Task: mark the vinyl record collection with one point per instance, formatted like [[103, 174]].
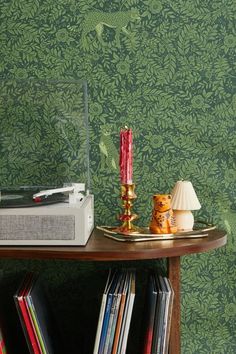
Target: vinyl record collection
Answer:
[[114, 319], [157, 316], [116, 312], [34, 314]]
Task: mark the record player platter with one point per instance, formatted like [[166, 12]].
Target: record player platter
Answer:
[[23, 199]]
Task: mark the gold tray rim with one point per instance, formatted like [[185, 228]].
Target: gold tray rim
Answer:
[[144, 234]]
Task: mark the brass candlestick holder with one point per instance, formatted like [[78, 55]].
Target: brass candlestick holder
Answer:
[[127, 197]]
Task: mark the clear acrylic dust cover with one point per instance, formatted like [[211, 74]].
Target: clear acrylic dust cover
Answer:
[[44, 136]]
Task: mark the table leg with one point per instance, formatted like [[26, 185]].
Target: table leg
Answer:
[[174, 277]]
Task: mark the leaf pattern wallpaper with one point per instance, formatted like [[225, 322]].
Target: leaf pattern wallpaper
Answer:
[[165, 68]]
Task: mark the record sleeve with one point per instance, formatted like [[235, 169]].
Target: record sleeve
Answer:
[[24, 315]]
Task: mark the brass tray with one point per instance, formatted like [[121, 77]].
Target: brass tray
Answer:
[[145, 235]]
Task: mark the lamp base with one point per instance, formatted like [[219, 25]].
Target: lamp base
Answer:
[[184, 220]]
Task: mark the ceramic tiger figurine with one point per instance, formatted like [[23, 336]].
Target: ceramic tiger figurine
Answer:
[[163, 221], [96, 20]]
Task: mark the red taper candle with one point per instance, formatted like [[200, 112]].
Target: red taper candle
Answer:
[[126, 156]]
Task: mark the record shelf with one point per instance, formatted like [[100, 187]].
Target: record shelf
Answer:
[[100, 248]]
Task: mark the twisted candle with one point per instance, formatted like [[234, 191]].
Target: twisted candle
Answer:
[[126, 156]]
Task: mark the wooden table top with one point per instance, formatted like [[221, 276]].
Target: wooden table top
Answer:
[[101, 248]]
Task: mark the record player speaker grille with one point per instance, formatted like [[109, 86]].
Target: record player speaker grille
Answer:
[[37, 227]]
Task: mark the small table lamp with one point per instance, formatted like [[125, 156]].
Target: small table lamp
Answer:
[[184, 199]]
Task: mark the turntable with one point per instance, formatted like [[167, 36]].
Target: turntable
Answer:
[[44, 142], [62, 216]]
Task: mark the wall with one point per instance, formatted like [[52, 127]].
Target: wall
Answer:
[[166, 69]]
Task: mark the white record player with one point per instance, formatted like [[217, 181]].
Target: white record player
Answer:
[[65, 220], [44, 142]]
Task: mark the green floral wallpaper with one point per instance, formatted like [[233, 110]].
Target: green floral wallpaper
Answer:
[[165, 68]]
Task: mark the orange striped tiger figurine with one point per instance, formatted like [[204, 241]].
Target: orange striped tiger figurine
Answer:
[[163, 221]]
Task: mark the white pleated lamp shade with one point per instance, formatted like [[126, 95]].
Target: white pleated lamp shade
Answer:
[[184, 197]]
